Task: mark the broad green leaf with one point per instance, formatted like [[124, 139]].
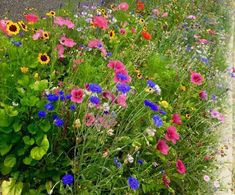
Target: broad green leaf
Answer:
[[4, 119], [27, 160], [28, 141], [11, 187], [4, 170], [37, 153], [45, 126], [17, 126], [10, 161], [4, 148]]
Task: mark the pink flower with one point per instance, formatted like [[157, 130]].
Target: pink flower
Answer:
[[3, 26], [176, 119], [67, 42], [123, 31], [196, 78], [38, 35], [123, 6], [89, 119], [221, 118], [206, 178], [133, 30], [69, 24], [203, 95], [60, 50], [95, 43], [191, 17], [100, 22], [180, 167], [121, 100], [162, 147], [31, 18], [77, 95], [156, 12], [121, 76], [108, 95], [64, 22], [165, 14], [172, 135], [116, 65], [166, 180], [206, 157], [214, 113], [103, 51], [203, 41]]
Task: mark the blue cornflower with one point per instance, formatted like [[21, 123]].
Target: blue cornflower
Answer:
[[214, 97], [162, 112], [94, 100], [95, 88], [122, 77], [151, 105], [72, 107], [16, 43], [151, 83], [42, 114], [124, 88], [68, 97], [62, 97], [99, 46], [204, 60], [157, 120], [117, 163], [61, 93], [52, 97], [55, 116], [67, 179], [133, 183], [109, 54], [140, 162], [49, 107], [58, 122]]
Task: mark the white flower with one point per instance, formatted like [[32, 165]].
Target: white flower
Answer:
[[106, 107], [216, 184], [150, 131], [157, 89], [110, 132], [15, 104], [206, 178], [129, 158]]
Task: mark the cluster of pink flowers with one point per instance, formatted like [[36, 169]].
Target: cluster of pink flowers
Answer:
[[60, 21], [97, 44], [100, 22]]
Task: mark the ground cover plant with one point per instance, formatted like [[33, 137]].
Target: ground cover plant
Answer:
[[113, 98]]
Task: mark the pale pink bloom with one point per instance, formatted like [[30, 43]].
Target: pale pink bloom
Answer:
[[123, 31], [196, 78], [77, 95], [121, 100], [69, 24], [133, 30], [3, 25], [214, 113], [180, 167], [95, 43], [162, 147], [31, 18], [67, 41], [123, 6], [196, 36], [64, 22], [206, 178], [89, 119], [172, 135], [38, 34], [221, 118], [216, 184], [191, 17], [100, 22], [116, 65], [156, 12], [103, 51], [203, 41], [60, 50], [59, 20], [165, 14], [203, 95]]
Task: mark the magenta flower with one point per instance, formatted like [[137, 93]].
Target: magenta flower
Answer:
[[31, 18], [77, 95], [89, 119], [196, 78], [108, 95], [166, 180], [116, 65], [66, 41], [203, 95], [176, 119], [60, 50], [162, 147], [122, 31], [95, 43], [121, 100], [172, 135], [100, 22], [123, 6], [180, 167]]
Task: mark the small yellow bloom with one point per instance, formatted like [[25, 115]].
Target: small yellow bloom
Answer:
[[149, 90], [12, 28], [51, 14], [187, 116], [43, 58], [45, 35], [24, 69], [23, 26], [141, 21], [182, 88], [164, 104], [111, 34]]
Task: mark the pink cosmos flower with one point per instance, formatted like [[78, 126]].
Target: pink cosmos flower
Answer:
[[166, 180], [116, 65], [165, 14], [172, 135], [69, 24], [123, 6], [77, 95], [89, 119], [100, 22], [60, 50], [121, 100], [191, 17], [162, 147], [64, 22], [59, 20], [67, 41], [95, 43], [203, 95], [121, 76], [31, 18], [38, 35], [180, 167], [203, 41], [176, 119], [196, 78]]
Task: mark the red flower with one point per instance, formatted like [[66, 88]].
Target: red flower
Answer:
[[140, 5], [180, 167], [100, 22], [31, 18], [166, 180], [77, 95], [146, 35], [172, 135], [176, 119], [162, 147]]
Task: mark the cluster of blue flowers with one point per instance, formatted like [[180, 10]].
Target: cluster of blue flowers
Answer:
[[95, 88], [122, 87], [133, 183]]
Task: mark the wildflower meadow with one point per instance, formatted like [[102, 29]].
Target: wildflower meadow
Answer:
[[121, 97]]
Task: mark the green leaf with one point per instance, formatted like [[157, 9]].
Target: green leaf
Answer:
[[45, 126], [10, 161], [24, 81], [4, 119], [27, 160], [11, 187], [32, 128], [45, 143], [28, 141], [39, 151], [4, 148], [39, 85], [4, 170], [17, 126]]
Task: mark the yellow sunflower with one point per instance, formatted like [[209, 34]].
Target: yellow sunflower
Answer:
[[111, 34], [141, 21], [12, 28], [45, 35], [23, 26], [51, 14], [43, 58]]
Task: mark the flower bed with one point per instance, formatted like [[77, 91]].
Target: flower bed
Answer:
[[113, 99]]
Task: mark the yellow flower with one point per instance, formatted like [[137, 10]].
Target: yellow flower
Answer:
[[12, 28], [141, 21], [182, 88], [139, 75], [149, 90], [43, 58], [45, 35], [111, 34], [51, 14], [164, 104], [24, 69], [23, 26], [187, 116]]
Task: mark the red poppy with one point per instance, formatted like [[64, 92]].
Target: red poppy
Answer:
[[140, 5], [146, 35]]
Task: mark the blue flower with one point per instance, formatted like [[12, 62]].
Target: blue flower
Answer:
[[214, 97], [94, 100], [68, 97], [42, 114], [49, 107], [151, 105], [55, 116], [133, 183], [122, 77], [151, 83], [204, 60], [17, 43], [124, 88], [58, 122], [109, 54], [140, 162], [61, 92], [117, 163], [72, 107], [67, 179], [52, 97], [162, 112], [95, 88], [157, 120], [62, 98]]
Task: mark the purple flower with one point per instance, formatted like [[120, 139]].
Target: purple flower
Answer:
[[52, 97], [151, 83], [162, 112], [140, 162], [133, 183], [151, 105], [49, 107], [72, 107], [67, 179], [122, 77], [95, 88], [41, 114], [157, 120], [122, 87], [95, 100], [58, 122]]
